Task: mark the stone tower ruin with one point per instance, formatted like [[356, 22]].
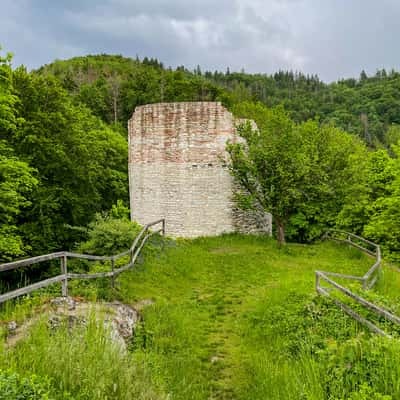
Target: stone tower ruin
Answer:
[[177, 170]]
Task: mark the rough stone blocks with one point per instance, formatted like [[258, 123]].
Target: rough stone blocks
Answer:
[[177, 170]]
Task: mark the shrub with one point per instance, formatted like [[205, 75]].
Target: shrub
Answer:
[[366, 393], [110, 233], [364, 368], [15, 387]]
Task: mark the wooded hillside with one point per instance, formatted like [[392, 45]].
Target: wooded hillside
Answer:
[[63, 148], [113, 85]]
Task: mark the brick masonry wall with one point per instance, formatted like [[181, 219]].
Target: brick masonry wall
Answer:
[[177, 171]]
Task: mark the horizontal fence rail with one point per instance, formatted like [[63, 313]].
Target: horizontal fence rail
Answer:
[[364, 245], [368, 280], [63, 256]]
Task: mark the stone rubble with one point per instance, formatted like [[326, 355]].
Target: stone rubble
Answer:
[[119, 318], [12, 327]]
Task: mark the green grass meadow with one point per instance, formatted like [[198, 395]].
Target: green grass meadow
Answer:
[[234, 317]]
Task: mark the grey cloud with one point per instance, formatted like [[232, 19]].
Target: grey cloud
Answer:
[[345, 37], [177, 9], [333, 38]]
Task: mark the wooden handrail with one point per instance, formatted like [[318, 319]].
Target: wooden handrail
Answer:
[[133, 251], [29, 261], [324, 276], [353, 235], [376, 253]]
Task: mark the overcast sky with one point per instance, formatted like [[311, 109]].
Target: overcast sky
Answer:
[[332, 38]]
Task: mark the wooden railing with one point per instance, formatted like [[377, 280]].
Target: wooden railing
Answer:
[[371, 276], [368, 280], [64, 275]]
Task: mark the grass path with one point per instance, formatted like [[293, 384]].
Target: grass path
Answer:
[[234, 318], [213, 297]]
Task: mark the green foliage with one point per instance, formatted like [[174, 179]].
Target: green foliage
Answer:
[[384, 223], [233, 318], [16, 177], [366, 107], [79, 163], [15, 387], [392, 135], [112, 86], [359, 369], [83, 364], [366, 393], [373, 210], [82, 163], [110, 234], [17, 181], [300, 173], [328, 186], [8, 100], [245, 304]]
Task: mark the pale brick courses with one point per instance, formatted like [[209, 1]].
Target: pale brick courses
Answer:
[[176, 169]]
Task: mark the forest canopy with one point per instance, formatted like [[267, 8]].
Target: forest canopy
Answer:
[[63, 144]]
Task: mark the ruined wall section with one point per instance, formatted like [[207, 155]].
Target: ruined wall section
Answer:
[[176, 168]]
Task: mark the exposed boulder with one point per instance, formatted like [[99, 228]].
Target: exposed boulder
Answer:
[[120, 319]]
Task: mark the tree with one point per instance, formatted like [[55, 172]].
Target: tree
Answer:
[[17, 181], [363, 76], [383, 224], [338, 169], [8, 117], [80, 162], [17, 178], [392, 136], [115, 88], [287, 168]]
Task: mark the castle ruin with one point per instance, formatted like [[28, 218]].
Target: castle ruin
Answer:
[[177, 170]]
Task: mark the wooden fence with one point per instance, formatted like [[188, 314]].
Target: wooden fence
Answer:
[[64, 275], [368, 280]]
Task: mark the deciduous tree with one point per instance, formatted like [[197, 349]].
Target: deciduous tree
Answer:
[[293, 170]]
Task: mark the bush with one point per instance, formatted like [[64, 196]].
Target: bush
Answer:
[[366, 393], [363, 368], [110, 233], [15, 387]]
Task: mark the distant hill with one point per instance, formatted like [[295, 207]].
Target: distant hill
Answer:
[[112, 86], [368, 106]]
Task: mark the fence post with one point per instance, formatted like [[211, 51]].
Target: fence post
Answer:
[[64, 272], [163, 226], [112, 270], [364, 284], [317, 279]]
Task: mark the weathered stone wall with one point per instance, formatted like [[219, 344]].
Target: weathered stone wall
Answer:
[[176, 169]]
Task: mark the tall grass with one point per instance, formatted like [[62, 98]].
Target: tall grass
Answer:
[[83, 362], [235, 317]]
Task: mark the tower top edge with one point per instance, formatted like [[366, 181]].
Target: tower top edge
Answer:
[[179, 105]]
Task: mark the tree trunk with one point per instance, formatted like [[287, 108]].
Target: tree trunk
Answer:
[[115, 107], [280, 233], [115, 84]]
